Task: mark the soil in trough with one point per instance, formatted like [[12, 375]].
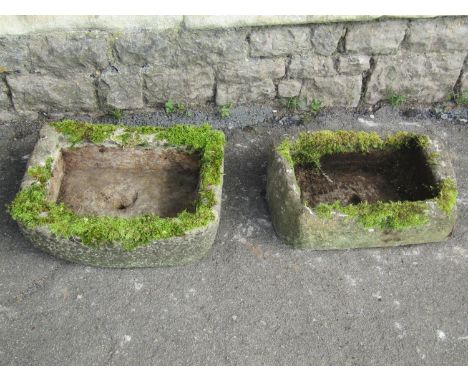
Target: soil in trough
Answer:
[[381, 175], [98, 180]]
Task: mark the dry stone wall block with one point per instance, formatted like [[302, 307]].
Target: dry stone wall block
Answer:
[[311, 66], [421, 77], [62, 53], [325, 38], [439, 35], [75, 93], [121, 88], [280, 41], [289, 88], [353, 64], [258, 91], [193, 85], [382, 37], [344, 91]]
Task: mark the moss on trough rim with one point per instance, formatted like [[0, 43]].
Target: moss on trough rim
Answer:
[[32, 209], [309, 147]]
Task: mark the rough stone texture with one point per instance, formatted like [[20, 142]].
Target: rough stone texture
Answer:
[[325, 38], [4, 99], [239, 57], [300, 227], [194, 85], [212, 47], [63, 53], [243, 93], [14, 54], [423, 77], [337, 91], [311, 66], [192, 246], [382, 37], [51, 94], [251, 70], [438, 35], [353, 64], [140, 48], [121, 88], [289, 88], [279, 41], [464, 81]]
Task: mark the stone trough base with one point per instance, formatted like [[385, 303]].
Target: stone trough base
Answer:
[[353, 178], [156, 184]]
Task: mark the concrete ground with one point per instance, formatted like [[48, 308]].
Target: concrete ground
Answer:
[[253, 300]]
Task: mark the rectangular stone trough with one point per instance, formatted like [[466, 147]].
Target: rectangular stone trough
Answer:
[[117, 196], [346, 189]]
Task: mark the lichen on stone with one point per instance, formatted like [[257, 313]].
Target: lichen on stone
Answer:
[[31, 208]]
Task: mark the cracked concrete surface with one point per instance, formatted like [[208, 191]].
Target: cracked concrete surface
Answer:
[[253, 300]]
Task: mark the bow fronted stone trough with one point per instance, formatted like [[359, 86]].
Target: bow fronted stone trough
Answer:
[[116, 196], [348, 189]]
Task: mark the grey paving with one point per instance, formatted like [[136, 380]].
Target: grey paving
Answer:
[[253, 300]]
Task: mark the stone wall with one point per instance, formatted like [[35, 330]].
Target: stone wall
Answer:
[[342, 63]]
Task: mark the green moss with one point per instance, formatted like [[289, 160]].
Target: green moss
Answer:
[[31, 207], [447, 195], [284, 149], [225, 110], [309, 147], [395, 99], [462, 99], [42, 173], [116, 113], [382, 215], [79, 131]]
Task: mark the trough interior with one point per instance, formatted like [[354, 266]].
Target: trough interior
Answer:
[[113, 181], [380, 175]]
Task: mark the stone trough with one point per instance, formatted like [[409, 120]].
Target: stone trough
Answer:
[[115, 196], [337, 190]]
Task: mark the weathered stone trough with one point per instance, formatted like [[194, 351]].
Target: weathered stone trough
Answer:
[[116, 196], [346, 189]]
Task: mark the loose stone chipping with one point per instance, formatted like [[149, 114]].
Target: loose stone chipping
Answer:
[[423, 77], [74, 93], [302, 226], [172, 249], [121, 88]]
